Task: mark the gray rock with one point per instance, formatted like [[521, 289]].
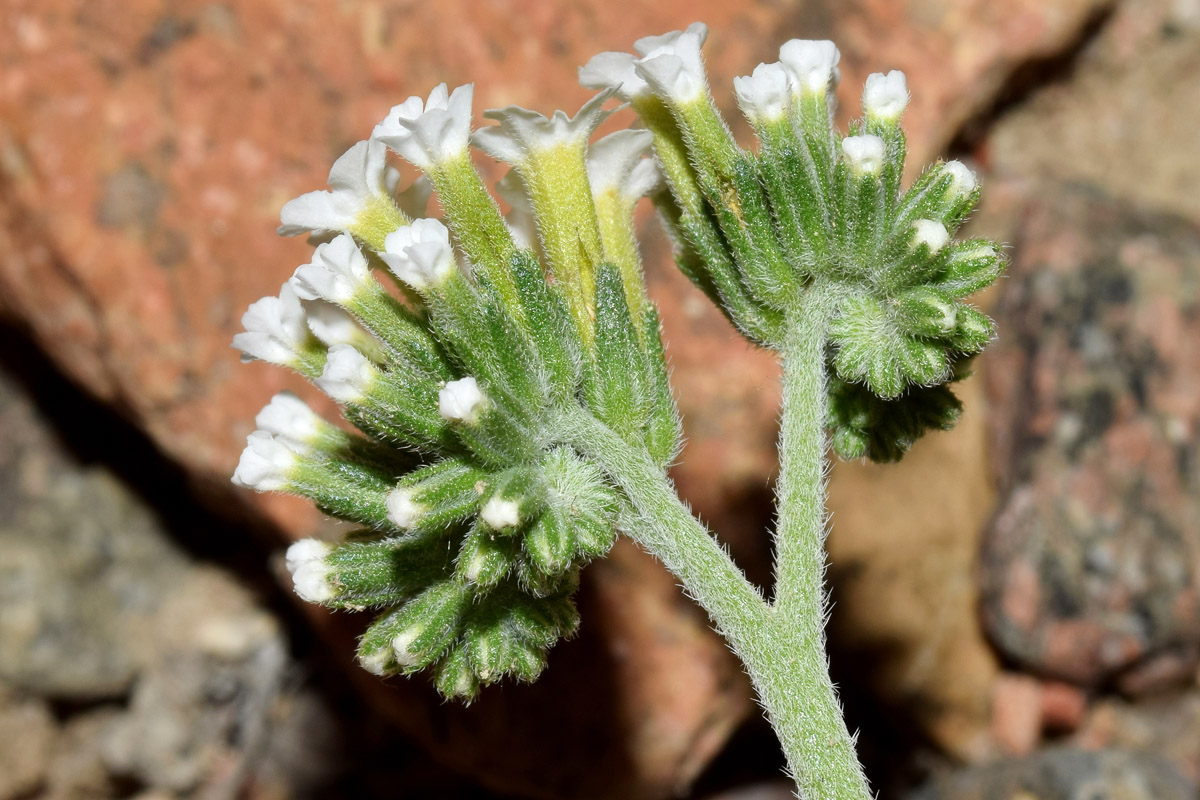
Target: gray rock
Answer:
[[1064, 774]]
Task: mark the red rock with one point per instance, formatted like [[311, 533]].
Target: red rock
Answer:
[[146, 147], [1063, 706], [1016, 713]]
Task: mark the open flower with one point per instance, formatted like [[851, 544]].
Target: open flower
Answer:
[[522, 133], [764, 94], [266, 464], [420, 254], [358, 183], [461, 401], [337, 272], [885, 96], [863, 154], [347, 376], [276, 330], [431, 132], [615, 164], [291, 421], [811, 64], [672, 63]]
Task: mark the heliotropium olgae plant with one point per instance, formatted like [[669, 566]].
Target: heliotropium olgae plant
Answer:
[[504, 379]]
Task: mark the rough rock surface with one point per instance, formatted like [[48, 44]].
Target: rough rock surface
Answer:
[[145, 148], [1064, 774]]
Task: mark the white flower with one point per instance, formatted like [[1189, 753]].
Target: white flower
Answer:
[[461, 401], [291, 421], [310, 571], [811, 64], [376, 663], [764, 94], [615, 71], [402, 509], [885, 96], [337, 272], [432, 132], [333, 326], [266, 464], [863, 154], [500, 514], [276, 329], [419, 254], [615, 164], [522, 133], [962, 179], [347, 376], [672, 63], [357, 180], [930, 233], [402, 641]]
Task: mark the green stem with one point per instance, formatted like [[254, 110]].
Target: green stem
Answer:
[[666, 528], [788, 670], [827, 766]]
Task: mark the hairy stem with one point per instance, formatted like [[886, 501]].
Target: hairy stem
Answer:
[[788, 670], [825, 764]]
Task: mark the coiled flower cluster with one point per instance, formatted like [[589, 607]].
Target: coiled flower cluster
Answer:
[[453, 345]]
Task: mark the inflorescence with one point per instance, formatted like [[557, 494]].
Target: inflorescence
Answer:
[[455, 344]]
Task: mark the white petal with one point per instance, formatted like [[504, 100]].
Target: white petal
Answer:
[[611, 160], [461, 401], [337, 272], [500, 514], [332, 325], [930, 233], [275, 329], [614, 71], [429, 133], [311, 582], [402, 509], [358, 176], [863, 154], [289, 419], [764, 94], [885, 96], [265, 464], [963, 180], [523, 132], [647, 44], [522, 223], [811, 64], [304, 551], [347, 376], [419, 254]]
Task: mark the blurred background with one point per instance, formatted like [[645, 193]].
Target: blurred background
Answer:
[[1017, 604]]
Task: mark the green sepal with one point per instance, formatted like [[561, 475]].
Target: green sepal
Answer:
[[863, 204], [865, 425], [522, 486], [973, 331], [895, 153], [664, 428], [924, 311], [455, 678], [550, 542], [384, 572], [444, 493], [494, 646], [344, 489], [404, 332], [614, 387], [969, 266], [420, 631], [579, 489], [550, 325], [486, 558]]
